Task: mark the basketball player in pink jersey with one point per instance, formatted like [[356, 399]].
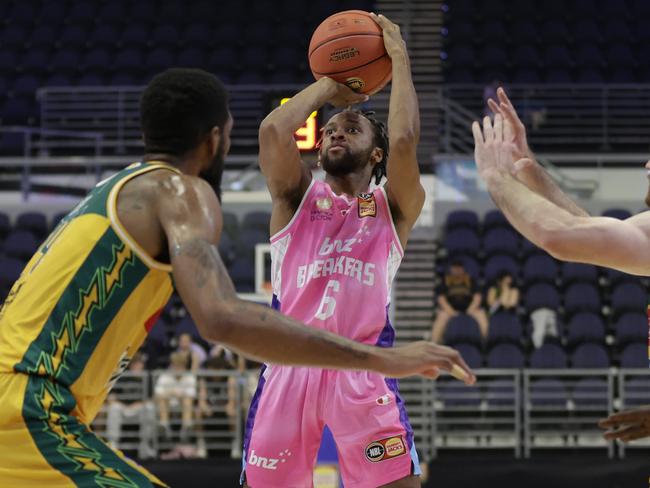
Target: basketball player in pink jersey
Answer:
[[335, 247]]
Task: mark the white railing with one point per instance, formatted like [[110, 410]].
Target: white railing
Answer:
[[518, 410]]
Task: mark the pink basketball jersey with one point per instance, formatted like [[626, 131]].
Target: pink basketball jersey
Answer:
[[333, 265]]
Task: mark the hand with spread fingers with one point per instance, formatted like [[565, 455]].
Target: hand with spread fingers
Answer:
[[627, 426], [524, 167], [493, 152]]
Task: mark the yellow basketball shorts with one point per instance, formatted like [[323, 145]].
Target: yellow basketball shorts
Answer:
[[43, 445]]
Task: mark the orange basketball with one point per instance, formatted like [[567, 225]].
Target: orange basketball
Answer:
[[349, 48]]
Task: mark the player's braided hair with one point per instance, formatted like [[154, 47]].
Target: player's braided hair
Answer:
[[381, 141]]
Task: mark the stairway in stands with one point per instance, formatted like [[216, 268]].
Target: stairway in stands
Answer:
[[413, 295], [421, 25]]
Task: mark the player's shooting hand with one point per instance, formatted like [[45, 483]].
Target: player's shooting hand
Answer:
[[492, 152], [393, 40], [628, 425], [344, 96], [425, 359]]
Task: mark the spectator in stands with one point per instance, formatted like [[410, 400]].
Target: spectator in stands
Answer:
[[503, 295], [458, 294], [215, 399], [131, 407], [194, 352], [175, 389]]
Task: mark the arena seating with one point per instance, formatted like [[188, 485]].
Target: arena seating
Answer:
[[551, 41], [117, 42], [600, 312]]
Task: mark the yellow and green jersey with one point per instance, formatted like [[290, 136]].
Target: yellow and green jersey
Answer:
[[85, 301]]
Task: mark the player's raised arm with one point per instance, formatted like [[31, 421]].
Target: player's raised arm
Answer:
[[279, 156], [623, 245], [403, 188], [189, 213], [524, 166]]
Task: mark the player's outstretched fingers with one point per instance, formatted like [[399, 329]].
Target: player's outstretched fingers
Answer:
[[494, 106], [478, 135], [432, 373], [626, 433], [488, 132], [498, 127], [635, 416]]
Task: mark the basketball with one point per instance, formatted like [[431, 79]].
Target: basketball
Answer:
[[349, 48]]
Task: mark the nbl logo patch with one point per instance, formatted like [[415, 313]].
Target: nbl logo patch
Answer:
[[367, 205], [385, 449]]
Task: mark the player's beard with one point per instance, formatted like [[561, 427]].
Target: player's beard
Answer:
[[214, 172], [345, 163]]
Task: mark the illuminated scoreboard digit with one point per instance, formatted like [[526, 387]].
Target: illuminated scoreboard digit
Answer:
[[307, 135]]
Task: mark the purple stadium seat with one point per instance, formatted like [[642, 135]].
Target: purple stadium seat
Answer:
[[83, 12], [554, 31], [10, 269], [585, 327], [581, 297], [495, 219], [540, 268], [165, 35], [66, 59], [631, 327], [635, 355], [501, 241], [58, 79], [506, 355], [20, 244], [557, 56], [14, 36], [590, 355], [97, 60], [43, 36], [524, 31], [5, 225], [462, 329], [26, 85], [242, 273], [461, 55], [134, 35], [497, 264], [558, 75], [257, 220], [548, 392], [462, 241], [542, 295], [586, 31], [227, 249], [36, 60], [22, 13], [51, 13], [525, 56], [590, 394], [504, 327], [128, 59], [34, 222], [74, 36], [191, 57], [104, 35], [197, 35], [629, 297], [579, 273], [159, 59], [471, 354], [549, 356]]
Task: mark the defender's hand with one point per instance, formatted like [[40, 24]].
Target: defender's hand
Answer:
[[628, 425], [393, 41], [425, 359]]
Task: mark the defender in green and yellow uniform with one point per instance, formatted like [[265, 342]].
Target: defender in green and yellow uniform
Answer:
[[86, 300]]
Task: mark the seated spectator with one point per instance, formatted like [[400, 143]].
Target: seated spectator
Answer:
[[195, 353], [544, 324], [131, 407], [458, 294], [215, 397], [176, 388], [503, 296]]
